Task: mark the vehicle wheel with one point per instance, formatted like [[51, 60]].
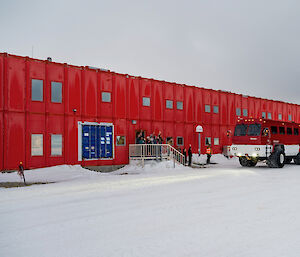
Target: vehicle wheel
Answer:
[[297, 159], [245, 162], [288, 160], [253, 162], [276, 159]]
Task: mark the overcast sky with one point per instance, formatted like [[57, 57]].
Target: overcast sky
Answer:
[[249, 47]]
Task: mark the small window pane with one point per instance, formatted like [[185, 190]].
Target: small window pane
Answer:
[[56, 145], [281, 130], [263, 115], [245, 112], [106, 97], [274, 130], [279, 116], [216, 141], [146, 101], [121, 140], [207, 141], [290, 117], [207, 108], [269, 115], [179, 141], [289, 131], [179, 105], [238, 111], [37, 90], [216, 109], [296, 131], [36, 144], [56, 92], [169, 104]]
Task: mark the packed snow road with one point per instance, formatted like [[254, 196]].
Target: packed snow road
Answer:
[[222, 210]]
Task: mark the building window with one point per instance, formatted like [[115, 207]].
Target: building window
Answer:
[[216, 109], [180, 141], [106, 97], [179, 105], [207, 108], [238, 112], [289, 131], [245, 112], [281, 130], [290, 117], [279, 116], [121, 140], [216, 141], [169, 104], [37, 90], [296, 131], [274, 130], [208, 141], [146, 101], [263, 115], [169, 140], [269, 115], [36, 144], [56, 145], [56, 92]]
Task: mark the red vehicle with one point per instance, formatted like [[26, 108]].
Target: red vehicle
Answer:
[[275, 142]]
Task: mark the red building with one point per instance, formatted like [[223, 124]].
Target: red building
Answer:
[[53, 113]]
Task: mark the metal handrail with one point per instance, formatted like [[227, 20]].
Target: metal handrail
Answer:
[[155, 152]]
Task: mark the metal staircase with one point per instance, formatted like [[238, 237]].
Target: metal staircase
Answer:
[[157, 152]]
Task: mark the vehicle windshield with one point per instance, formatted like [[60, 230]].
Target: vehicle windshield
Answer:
[[240, 130], [249, 130], [254, 130]]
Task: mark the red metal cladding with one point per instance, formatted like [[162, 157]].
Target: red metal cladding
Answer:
[[15, 94], [14, 139], [189, 104], [133, 98], [270, 109], [120, 96], [179, 133], [157, 103], [157, 126], [89, 93], [245, 107], [257, 108], [251, 108], [230, 110], [168, 101], [121, 150], [1, 81], [73, 91], [190, 137], [106, 82], [1, 140], [207, 109], [198, 105], [223, 108], [215, 139], [264, 110], [168, 132], [284, 111], [146, 94], [179, 99], [275, 110], [215, 107]]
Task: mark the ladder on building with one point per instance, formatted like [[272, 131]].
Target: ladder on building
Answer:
[[157, 152]]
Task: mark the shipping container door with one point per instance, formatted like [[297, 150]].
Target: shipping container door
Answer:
[[93, 141], [106, 144], [86, 141]]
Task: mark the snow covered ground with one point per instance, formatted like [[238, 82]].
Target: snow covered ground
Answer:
[[221, 210]]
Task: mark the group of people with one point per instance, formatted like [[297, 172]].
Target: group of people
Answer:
[[157, 139], [152, 139]]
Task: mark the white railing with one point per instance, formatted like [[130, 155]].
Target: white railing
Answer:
[[155, 152]]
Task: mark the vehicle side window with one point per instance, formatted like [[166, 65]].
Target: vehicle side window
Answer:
[[274, 130], [281, 131], [296, 131], [289, 131]]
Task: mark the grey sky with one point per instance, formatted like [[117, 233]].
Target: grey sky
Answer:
[[249, 47]]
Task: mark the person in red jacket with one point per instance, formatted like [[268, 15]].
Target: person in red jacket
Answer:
[[208, 153], [21, 172]]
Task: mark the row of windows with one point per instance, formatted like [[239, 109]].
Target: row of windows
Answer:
[[180, 141], [37, 145], [169, 103], [37, 91], [289, 131]]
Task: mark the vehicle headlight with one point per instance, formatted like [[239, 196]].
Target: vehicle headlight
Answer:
[[234, 148], [254, 155], [257, 148]]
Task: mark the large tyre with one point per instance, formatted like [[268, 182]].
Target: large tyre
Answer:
[[297, 159], [288, 160], [276, 159], [247, 163]]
